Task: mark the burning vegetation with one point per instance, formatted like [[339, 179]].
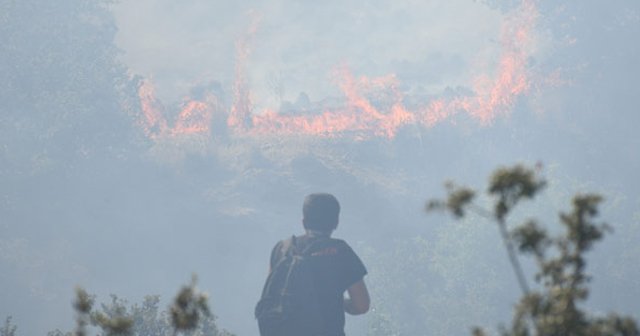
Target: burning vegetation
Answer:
[[369, 106]]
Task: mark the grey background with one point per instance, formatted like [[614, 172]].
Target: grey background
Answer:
[[88, 199]]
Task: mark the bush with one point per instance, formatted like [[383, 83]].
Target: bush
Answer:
[[553, 308]]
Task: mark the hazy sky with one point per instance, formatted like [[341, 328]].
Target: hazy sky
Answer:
[[139, 221], [298, 45]]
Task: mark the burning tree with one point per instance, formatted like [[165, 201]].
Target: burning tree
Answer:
[[553, 308]]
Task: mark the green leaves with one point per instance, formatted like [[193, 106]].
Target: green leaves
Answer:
[[508, 185], [581, 230], [189, 307], [531, 238], [83, 305], [554, 308], [457, 200], [63, 90], [189, 314], [8, 329], [114, 326], [511, 185]]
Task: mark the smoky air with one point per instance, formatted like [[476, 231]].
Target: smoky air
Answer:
[[143, 142]]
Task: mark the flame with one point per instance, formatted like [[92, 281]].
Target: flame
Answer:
[[359, 116], [153, 122], [242, 104], [194, 117], [495, 97], [373, 107]]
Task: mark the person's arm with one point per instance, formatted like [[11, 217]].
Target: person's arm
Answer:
[[358, 301]]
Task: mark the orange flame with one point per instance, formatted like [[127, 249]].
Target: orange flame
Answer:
[[153, 122], [373, 107], [194, 117], [359, 117], [242, 104], [498, 96]]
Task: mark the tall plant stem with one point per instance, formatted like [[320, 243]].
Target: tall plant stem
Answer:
[[515, 263], [508, 244]]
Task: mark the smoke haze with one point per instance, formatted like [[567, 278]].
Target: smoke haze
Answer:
[[123, 170]]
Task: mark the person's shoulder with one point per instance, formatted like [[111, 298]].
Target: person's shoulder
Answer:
[[341, 244], [285, 242], [281, 244], [339, 241], [289, 239], [349, 258]]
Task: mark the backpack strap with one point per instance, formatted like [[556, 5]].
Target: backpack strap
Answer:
[[319, 241], [288, 247], [297, 257]]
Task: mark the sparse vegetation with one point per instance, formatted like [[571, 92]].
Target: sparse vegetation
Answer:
[[189, 314], [8, 329], [554, 306]]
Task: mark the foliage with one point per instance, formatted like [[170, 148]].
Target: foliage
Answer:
[[82, 305], [63, 92], [189, 315], [8, 329], [553, 308], [189, 307]]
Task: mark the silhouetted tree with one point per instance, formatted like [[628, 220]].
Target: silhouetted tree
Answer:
[[8, 329], [189, 315], [63, 93], [554, 307]]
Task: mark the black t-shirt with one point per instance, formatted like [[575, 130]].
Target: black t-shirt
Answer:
[[337, 268]]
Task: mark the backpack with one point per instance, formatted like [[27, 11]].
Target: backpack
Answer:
[[289, 302]]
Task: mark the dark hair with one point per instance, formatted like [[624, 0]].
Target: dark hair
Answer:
[[320, 212]]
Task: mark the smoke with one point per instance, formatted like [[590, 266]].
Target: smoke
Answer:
[[243, 108], [369, 107]]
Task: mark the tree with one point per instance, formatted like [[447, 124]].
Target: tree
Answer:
[[554, 307], [189, 314], [63, 93], [8, 329]]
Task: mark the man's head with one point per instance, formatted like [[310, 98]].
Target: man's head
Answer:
[[320, 212]]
